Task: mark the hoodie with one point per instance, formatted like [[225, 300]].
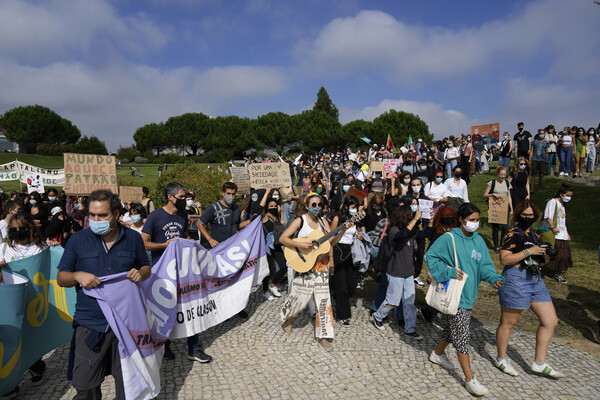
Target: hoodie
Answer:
[[473, 258]]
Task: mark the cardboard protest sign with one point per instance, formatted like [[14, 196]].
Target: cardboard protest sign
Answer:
[[377, 166], [498, 212], [35, 184], [131, 194], [359, 194], [426, 207], [390, 165], [269, 175], [492, 130], [241, 178], [85, 173]]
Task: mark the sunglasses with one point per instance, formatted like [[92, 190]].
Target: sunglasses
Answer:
[[522, 164], [316, 204], [21, 229]]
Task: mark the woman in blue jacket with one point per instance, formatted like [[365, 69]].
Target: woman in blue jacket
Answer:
[[474, 259]]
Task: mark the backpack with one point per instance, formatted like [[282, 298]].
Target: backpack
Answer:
[[386, 252]]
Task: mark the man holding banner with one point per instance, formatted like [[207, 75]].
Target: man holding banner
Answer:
[[106, 248]]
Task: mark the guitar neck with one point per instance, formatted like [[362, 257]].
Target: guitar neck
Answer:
[[337, 230]]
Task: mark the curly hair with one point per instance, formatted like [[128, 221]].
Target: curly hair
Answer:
[[401, 217], [24, 219]]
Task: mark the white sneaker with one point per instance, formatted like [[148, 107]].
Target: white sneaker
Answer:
[[267, 295], [561, 174], [274, 291], [505, 367], [441, 360], [476, 388], [419, 282], [547, 370]]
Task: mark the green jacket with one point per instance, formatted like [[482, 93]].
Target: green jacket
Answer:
[[473, 258]]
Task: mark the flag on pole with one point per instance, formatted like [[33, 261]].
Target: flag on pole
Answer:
[[366, 139], [410, 141], [390, 144]]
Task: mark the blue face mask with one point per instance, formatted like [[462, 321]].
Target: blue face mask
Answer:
[[100, 228], [136, 218], [51, 198], [414, 208], [345, 188], [438, 179], [352, 211], [33, 202]]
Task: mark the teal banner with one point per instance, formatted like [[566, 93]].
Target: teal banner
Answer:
[[36, 316]]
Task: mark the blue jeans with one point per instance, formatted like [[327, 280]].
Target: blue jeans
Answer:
[[380, 297], [590, 158], [400, 289], [565, 156], [504, 162], [477, 161], [287, 209], [450, 164], [551, 157]]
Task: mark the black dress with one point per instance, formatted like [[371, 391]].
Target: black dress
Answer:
[[519, 187]]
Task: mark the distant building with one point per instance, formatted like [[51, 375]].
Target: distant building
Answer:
[[6, 145]]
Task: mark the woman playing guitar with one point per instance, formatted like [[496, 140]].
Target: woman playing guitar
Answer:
[[314, 282]]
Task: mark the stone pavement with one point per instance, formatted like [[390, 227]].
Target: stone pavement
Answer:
[[256, 359]]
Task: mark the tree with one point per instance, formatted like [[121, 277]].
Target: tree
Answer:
[[188, 130], [325, 104], [91, 145], [399, 125], [30, 126], [129, 153], [151, 137]]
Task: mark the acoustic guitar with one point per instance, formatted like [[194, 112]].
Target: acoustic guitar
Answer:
[[302, 260]]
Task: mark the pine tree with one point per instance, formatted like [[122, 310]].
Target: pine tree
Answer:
[[325, 104]]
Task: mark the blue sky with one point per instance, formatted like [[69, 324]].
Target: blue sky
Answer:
[[112, 66]]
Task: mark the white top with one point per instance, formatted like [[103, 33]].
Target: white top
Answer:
[[566, 139], [19, 252], [451, 152], [436, 192], [306, 230], [551, 146], [561, 218], [457, 190], [348, 236], [3, 229]]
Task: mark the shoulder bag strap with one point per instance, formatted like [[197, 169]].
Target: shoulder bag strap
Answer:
[[454, 248], [555, 219]]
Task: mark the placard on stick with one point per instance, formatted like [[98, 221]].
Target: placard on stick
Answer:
[[377, 166], [85, 173], [241, 178], [269, 175], [498, 212], [390, 165], [131, 194], [359, 194]]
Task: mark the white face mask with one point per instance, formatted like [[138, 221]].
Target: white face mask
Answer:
[[189, 203], [407, 181], [566, 199], [471, 226], [416, 189]]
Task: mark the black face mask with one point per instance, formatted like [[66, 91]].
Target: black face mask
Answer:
[[526, 222], [274, 212], [447, 220], [457, 175], [180, 204], [18, 235]]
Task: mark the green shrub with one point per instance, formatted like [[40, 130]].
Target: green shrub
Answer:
[[141, 160], [127, 153], [47, 149], [205, 184]]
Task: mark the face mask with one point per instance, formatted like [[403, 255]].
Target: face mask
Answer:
[[471, 226], [316, 211], [438, 179], [541, 136], [414, 208], [314, 182], [319, 191], [229, 199], [447, 220], [336, 169], [100, 228], [566, 199], [334, 191], [189, 203], [318, 169], [416, 189], [423, 167], [505, 136], [1, 191], [18, 236], [432, 149], [522, 167], [51, 198], [76, 206], [407, 181], [526, 222], [274, 211], [345, 188], [352, 211], [457, 174], [180, 204], [136, 218], [33, 202], [275, 197], [376, 208]]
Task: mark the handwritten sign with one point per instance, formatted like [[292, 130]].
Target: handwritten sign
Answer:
[[85, 173], [35, 183], [498, 212], [241, 178], [492, 130], [131, 194], [269, 175], [426, 207], [390, 165], [377, 166], [359, 194]]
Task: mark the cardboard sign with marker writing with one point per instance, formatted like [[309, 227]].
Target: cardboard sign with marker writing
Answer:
[[390, 165], [377, 166], [269, 175], [35, 184], [85, 173], [498, 212], [359, 194], [241, 178], [131, 194]]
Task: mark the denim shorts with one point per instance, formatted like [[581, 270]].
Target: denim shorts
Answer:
[[522, 288]]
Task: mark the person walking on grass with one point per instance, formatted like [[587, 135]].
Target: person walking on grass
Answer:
[[474, 259], [524, 289], [538, 158], [555, 218]]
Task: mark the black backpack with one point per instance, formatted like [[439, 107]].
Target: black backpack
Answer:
[[386, 251]]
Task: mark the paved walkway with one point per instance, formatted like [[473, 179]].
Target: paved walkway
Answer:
[[256, 359]]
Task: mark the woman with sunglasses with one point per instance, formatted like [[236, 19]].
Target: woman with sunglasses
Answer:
[[313, 284], [519, 180]]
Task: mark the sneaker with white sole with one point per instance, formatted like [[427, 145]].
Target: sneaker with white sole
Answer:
[[377, 324], [560, 279], [274, 291], [506, 367], [419, 282], [441, 359], [268, 295], [546, 370], [476, 388], [413, 335]]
